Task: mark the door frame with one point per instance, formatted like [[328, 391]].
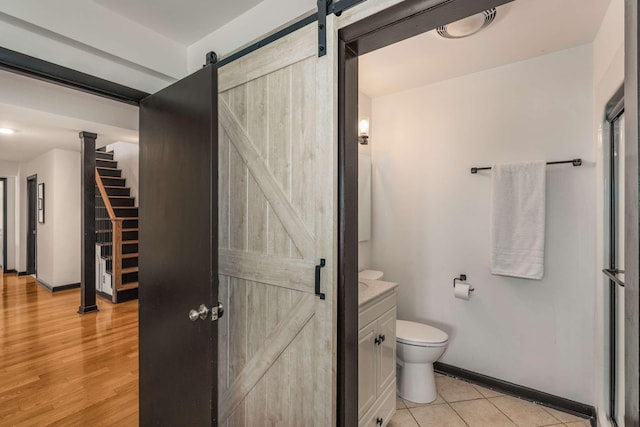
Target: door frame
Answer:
[[4, 224], [33, 213], [389, 26], [632, 226]]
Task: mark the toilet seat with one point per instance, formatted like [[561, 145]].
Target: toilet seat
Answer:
[[419, 334]]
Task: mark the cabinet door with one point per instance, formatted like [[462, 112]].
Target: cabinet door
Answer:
[[386, 350], [367, 384]]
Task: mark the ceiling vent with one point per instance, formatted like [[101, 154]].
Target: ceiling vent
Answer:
[[468, 26]]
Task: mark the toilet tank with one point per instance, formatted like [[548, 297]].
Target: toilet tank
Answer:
[[370, 275]]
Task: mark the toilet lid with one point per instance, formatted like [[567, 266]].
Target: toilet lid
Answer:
[[419, 333]]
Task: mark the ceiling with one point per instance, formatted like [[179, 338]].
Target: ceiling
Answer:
[[38, 132], [185, 21], [47, 116], [523, 29]]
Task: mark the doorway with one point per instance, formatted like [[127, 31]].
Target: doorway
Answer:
[[3, 224], [616, 254], [356, 41], [32, 227]]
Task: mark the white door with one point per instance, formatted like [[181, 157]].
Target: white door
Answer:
[[277, 192]]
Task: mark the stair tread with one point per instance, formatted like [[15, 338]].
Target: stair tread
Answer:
[[127, 286], [129, 270], [107, 168], [131, 255], [124, 242]]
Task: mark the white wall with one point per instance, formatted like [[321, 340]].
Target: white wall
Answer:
[[67, 215], [431, 217], [11, 223], [364, 110], [10, 170], [128, 157], [608, 66], [252, 25], [58, 239]]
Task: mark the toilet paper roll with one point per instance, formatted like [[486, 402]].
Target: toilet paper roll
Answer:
[[462, 291]]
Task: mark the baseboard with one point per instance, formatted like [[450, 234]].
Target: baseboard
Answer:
[[104, 295], [22, 273], [11, 271], [556, 402], [66, 287], [54, 289]]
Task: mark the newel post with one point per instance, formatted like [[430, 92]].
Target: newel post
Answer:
[[88, 221]]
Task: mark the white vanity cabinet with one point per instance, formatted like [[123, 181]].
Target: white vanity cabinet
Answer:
[[377, 360]]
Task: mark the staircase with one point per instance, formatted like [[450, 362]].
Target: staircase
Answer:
[[116, 227]]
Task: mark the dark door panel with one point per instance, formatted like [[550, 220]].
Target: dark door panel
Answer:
[[179, 252], [32, 229]]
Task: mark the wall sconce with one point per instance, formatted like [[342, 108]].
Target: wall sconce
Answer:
[[363, 131]]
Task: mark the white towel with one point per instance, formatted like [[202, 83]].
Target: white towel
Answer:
[[518, 220]]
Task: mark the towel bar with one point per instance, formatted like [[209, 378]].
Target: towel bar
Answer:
[[575, 162]]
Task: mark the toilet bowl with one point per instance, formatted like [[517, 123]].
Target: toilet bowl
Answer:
[[417, 347]]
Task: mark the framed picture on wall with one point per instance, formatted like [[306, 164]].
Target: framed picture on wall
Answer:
[[41, 203]]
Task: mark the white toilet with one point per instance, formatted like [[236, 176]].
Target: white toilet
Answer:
[[417, 347]]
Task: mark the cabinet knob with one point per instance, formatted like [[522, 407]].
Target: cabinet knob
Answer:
[[379, 421], [379, 339]]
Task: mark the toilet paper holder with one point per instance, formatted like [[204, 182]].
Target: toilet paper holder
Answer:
[[462, 278]]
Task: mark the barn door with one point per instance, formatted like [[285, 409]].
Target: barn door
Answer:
[[178, 253], [277, 186]]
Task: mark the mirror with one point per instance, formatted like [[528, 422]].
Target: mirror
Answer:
[[364, 197]]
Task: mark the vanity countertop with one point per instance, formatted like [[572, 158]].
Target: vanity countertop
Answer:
[[370, 289]]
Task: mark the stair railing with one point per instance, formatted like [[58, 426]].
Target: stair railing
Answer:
[[107, 220]]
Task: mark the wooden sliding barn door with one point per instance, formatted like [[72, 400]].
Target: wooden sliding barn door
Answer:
[[277, 189]]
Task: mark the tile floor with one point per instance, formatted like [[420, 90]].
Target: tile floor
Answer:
[[467, 405]]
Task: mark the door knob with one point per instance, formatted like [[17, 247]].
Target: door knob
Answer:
[[220, 310], [201, 313]]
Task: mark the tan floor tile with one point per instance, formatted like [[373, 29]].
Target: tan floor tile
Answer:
[[400, 403], [410, 404], [453, 390], [523, 413], [437, 416], [563, 416], [583, 423], [481, 413], [402, 418], [486, 392]]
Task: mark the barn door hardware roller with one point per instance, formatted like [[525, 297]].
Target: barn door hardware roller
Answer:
[[318, 269], [323, 9], [211, 58]]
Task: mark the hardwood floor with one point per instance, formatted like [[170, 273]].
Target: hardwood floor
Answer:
[[60, 368]]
